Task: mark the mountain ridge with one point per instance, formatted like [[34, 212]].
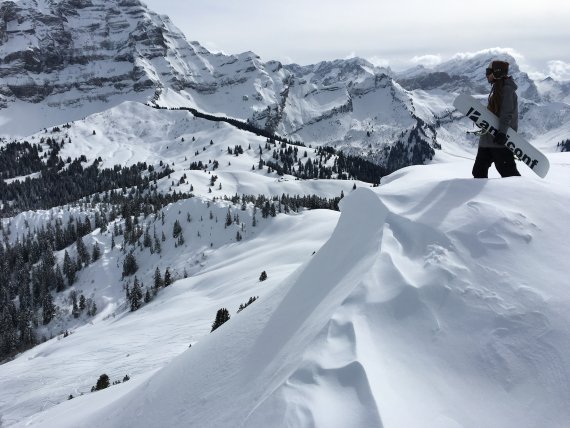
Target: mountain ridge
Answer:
[[420, 300], [138, 55]]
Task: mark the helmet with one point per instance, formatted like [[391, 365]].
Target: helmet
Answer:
[[498, 69]]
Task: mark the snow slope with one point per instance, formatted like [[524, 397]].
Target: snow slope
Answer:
[[438, 301]]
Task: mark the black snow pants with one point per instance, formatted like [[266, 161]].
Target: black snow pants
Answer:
[[502, 157]]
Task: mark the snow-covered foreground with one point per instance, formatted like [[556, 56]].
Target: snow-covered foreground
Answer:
[[437, 301]]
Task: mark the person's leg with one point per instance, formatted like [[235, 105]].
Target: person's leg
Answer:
[[505, 162], [483, 161]]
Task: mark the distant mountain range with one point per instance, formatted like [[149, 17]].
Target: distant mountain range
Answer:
[[63, 60]]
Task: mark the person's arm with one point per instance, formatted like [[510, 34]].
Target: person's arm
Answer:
[[508, 108]]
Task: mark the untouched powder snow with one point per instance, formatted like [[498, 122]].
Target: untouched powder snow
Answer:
[[437, 301]]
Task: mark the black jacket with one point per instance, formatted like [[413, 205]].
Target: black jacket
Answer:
[[508, 114]]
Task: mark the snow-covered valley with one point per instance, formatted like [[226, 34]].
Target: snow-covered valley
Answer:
[[423, 301], [327, 210]]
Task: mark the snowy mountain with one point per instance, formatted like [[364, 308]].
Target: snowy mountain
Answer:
[[155, 187], [83, 57], [553, 90], [66, 59], [424, 303], [543, 107]]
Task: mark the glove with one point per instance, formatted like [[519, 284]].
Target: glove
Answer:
[[500, 138]]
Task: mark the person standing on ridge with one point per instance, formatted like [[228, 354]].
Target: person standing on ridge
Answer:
[[503, 102]]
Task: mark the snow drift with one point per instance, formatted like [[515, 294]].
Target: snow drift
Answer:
[[437, 302]]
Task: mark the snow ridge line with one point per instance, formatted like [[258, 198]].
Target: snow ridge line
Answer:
[[234, 122], [307, 314]]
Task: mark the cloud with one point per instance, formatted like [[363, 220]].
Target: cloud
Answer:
[[491, 51], [379, 61], [427, 60], [559, 70]]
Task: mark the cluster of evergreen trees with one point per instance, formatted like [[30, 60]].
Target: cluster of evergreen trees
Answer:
[[223, 314], [19, 159], [61, 182], [29, 274], [287, 160], [345, 167], [564, 146], [271, 206], [413, 149], [139, 294], [242, 306], [104, 382], [244, 126], [348, 167]]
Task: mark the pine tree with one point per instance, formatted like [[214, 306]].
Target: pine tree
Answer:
[[229, 219], [82, 253], [167, 278], [265, 210], [48, 258], [75, 308], [102, 383], [96, 252], [147, 241], [26, 328], [136, 296], [92, 308], [69, 268], [263, 276], [82, 303], [222, 316], [130, 265], [180, 240], [157, 279], [48, 308], [157, 246], [176, 229], [59, 280]]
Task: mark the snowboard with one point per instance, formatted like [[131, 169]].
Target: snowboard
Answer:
[[489, 122]]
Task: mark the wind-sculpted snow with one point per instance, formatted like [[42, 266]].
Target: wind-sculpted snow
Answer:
[[437, 302]]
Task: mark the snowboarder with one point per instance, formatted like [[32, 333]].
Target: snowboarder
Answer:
[[503, 102]]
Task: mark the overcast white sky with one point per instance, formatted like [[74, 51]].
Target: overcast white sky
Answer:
[[398, 33]]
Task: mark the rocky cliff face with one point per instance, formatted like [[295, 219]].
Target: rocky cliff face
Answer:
[[75, 57], [73, 49], [72, 54]]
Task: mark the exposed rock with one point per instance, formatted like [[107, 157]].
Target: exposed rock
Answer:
[[78, 52]]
